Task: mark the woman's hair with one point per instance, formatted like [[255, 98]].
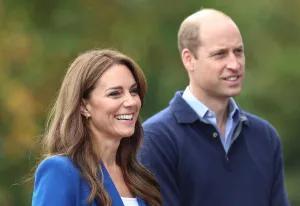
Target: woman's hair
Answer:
[[67, 132]]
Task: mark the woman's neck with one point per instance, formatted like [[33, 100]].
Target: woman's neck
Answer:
[[106, 148]]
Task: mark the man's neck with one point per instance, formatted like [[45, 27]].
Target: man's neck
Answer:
[[220, 106]]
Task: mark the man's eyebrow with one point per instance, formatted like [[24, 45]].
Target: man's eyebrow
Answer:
[[217, 50]]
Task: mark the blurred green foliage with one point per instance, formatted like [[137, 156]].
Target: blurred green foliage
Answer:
[[39, 39]]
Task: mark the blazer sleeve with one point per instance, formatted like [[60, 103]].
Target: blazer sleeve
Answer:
[[159, 155], [55, 183]]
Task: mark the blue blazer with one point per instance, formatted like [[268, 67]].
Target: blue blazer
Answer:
[[59, 182]]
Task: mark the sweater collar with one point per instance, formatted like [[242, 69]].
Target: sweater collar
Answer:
[[185, 114]]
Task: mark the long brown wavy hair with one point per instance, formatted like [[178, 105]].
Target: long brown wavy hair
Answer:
[[67, 132]]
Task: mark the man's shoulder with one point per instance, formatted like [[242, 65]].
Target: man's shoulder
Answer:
[[159, 117], [256, 121], [161, 120], [261, 130]]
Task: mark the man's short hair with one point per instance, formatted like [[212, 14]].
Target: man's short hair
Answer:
[[188, 33], [188, 37]]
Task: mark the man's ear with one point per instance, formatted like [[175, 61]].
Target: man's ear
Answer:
[[188, 59], [83, 109]]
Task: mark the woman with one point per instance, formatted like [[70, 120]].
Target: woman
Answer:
[[93, 135]]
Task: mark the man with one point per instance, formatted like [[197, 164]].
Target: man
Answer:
[[203, 148]]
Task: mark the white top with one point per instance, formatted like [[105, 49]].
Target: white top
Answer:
[[130, 201]]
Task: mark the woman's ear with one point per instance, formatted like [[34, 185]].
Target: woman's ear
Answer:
[[83, 109]]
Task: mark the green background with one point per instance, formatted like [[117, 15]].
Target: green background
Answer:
[[39, 39]]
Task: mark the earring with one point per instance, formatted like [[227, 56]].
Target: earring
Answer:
[[86, 116]]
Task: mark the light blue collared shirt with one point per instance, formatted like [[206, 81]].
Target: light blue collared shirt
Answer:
[[209, 116]]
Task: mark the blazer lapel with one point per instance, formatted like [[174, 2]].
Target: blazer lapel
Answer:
[[111, 189], [141, 202]]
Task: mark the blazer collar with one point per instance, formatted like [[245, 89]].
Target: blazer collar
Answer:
[[112, 190]]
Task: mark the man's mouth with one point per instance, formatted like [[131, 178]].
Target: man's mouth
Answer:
[[232, 78]]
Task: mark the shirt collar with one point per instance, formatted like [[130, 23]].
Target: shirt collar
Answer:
[[203, 111], [197, 106], [234, 110]]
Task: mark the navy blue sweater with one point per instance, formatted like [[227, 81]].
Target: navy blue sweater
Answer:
[[188, 159]]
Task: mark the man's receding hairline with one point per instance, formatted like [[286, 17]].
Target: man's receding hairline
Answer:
[[199, 16], [188, 35]]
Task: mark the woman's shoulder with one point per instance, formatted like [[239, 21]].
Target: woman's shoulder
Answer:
[[58, 165], [60, 161], [57, 182], [57, 159]]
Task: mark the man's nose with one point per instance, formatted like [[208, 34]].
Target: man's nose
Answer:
[[233, 62]]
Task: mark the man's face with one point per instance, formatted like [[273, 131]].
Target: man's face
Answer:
[[220, 64]]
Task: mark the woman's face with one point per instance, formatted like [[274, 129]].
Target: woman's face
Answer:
[[114, 104]]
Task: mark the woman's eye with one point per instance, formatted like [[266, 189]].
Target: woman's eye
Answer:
[[134, 91], [114, 94]]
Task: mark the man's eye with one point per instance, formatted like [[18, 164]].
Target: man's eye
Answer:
[[239, 51], [219, 54]]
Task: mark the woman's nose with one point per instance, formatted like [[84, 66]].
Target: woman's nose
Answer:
[[131, 100]]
